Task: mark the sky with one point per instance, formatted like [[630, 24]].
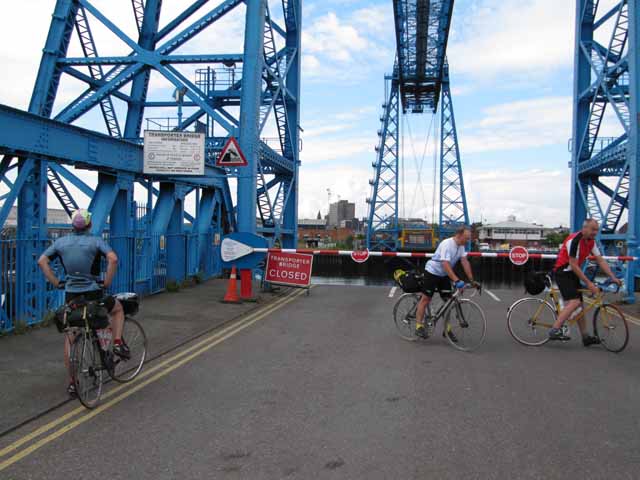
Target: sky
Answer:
[[511, 69]]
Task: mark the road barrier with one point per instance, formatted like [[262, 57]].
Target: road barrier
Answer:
[[359, 254]]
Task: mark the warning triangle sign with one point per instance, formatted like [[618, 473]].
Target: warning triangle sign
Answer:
[[231, 155]]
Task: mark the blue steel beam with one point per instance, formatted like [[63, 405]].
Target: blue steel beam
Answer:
[[422, 33], [22, 134], [453, 199], [607, 77], [383, 230], [175, 59], [119, 76], [250, 112]]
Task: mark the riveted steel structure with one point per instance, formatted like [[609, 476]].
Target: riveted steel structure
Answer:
[[420, 79], [383, 231], [251, 94], [605, 149], [453, 200]]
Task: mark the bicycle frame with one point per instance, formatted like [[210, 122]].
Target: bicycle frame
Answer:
[[455, 298], [553, 297]]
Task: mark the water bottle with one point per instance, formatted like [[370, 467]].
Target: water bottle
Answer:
[[104, 336]]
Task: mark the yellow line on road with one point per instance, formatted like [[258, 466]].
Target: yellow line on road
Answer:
[[206, 344], [629, 318]]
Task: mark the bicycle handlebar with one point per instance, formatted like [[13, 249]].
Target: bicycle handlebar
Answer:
[[606, 284]]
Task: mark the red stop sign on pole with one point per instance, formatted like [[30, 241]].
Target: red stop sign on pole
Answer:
[[360, 256], [519, 255], [293, 269]]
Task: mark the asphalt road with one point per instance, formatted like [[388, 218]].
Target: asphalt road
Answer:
[[322, 388]]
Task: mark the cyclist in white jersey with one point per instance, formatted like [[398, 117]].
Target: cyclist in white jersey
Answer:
[[439, 273]]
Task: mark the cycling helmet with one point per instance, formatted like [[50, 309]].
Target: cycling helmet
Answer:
[[81, 219]]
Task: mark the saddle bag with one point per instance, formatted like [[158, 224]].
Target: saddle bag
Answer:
[[409, 282], [80, 314], [536, 282]]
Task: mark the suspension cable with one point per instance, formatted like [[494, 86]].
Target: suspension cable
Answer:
[[420, 166]]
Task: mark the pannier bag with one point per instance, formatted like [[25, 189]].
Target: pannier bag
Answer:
[[93, 314], [536, 282], [409, 282]]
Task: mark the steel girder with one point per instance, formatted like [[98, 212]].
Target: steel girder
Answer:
[[382, 225], [604, 169], [453, 200], [270, 59], [422, 33], [272, 181]]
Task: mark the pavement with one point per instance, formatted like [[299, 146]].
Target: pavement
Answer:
[[32, 373], [321, 387]]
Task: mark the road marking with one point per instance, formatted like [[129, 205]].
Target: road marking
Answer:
[[492, 295], [138, 384], [392, 292], [629, 318]]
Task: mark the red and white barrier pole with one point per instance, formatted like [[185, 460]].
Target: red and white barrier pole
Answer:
[[351, 253]]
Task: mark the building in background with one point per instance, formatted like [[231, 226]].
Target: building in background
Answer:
[[340, 211], [512, 233]]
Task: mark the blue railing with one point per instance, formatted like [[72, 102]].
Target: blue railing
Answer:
[[147, 252]]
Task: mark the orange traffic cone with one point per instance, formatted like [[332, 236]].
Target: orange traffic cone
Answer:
[[232, 289]]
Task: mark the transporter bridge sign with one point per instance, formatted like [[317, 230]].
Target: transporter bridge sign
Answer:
[[173, 153], [292, 269]]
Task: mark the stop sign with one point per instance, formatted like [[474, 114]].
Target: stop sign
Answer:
[[360, 256], [519, 255]]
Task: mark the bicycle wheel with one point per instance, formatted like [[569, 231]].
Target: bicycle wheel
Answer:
[[611, 327], [465, 320], [86, 369], [125, 370], [404, 315], [529, 321]]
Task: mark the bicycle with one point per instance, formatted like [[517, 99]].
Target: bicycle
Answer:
[[529, 319], [463, 318], [91, 353]]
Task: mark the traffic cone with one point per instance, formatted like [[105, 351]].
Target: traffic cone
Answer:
[[232, 289]]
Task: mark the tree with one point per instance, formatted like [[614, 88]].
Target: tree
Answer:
[[554, 239]]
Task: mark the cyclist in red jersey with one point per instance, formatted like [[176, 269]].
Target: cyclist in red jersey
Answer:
[[575, 250]]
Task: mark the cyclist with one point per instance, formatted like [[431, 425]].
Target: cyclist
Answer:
[[80, 255], [575, 250], [439, 274]]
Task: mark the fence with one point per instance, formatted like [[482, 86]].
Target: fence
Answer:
[[26, 297]]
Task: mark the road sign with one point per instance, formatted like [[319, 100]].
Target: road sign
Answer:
[[239, 249], [519, 255], [360, 256], [292, 269], [231, 155], [173, 153], [232, 250]]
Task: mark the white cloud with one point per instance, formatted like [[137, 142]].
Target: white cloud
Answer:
[[531, 195], [497, 37], [347, 47], [328, 149], [517, 125]]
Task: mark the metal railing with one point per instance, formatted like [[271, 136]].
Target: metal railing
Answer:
[[147, 253]]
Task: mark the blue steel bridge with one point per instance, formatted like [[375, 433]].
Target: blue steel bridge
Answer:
[[254, 95]]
